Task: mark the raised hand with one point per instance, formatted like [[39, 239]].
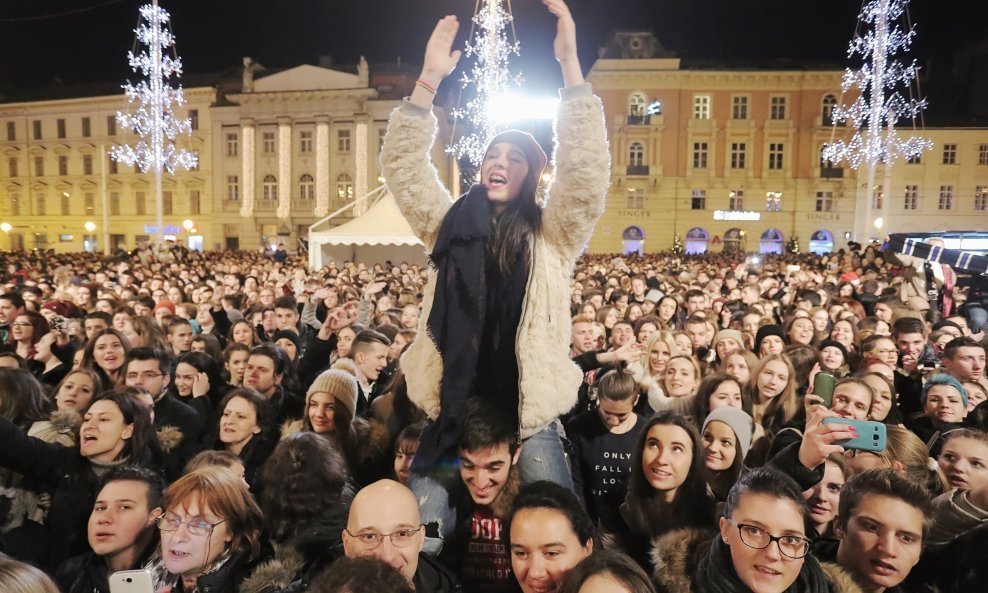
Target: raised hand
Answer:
[[200, 385], [564, 45], [440, 58]]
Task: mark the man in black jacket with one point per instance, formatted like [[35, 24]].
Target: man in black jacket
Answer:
[[122, 531], [384, 523]]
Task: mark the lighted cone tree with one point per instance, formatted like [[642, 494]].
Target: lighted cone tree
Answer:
[[490, 76], [154, 118], [873, 115]]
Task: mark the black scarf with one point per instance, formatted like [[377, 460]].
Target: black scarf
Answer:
[[466, 310], [715, 574]]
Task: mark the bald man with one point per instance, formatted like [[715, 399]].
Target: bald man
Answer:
[[384, 523]]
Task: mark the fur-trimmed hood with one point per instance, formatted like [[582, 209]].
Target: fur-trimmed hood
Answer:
[[62, 427], [277, 573], [169, 438], [677, 554]]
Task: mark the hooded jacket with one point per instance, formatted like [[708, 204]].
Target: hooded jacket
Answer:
[[548, 380]]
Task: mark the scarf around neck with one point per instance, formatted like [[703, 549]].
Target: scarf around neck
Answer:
[[715, 574]]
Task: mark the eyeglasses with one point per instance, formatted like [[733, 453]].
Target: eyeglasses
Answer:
[[399, 539], [791, 546], [171, 522], [147, 376], [885, 352], [21, 324]]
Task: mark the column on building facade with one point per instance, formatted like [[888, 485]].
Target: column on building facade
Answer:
[[247, 130], [361, 164], [322, 166], [284, 167]]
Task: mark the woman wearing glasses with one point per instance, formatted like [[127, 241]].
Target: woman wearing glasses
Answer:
[[761, 546], [210, 531]]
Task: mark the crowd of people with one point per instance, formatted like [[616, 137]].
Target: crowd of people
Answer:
[[516, 416]]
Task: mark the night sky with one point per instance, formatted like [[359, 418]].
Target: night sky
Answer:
[[213, 35]]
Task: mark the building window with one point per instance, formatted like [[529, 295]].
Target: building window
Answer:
[[194, 202], [915, 160], [637, 105], [267, 142], [232, 188], [114, 203], [39, 166], [824, 201], [342, 140], [37, 129], [111, 125], [773, 201], [232, 144], [194, 119], [66, 204], [140, 203], [269, 188], [827, 110], [114, 166], [166, 203], [90, 202], [910, 200], [40, 208], [738, 155], [777, 108], [12, 165], [87, 164], [306, 187], [60, 127], [983, 154], [63, 165], [877, 197], [305, 141], [949, 154], [699, 155], [701, 107], [344, 188], [636, 198], [775, 154], [87, 127], [15, 205], [699, 200], [735, 200], [739, 107], [946, 201], [11, 131], [636, 154], [981, 198]]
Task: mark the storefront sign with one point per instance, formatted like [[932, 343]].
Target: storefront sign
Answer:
[[822, 216], [152, 229], [737, 215]]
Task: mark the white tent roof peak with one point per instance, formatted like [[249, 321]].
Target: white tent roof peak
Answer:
[[382, 224]]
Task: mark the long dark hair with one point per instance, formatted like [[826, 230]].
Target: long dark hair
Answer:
[[692, 507], [519, 222], [142, 446], [202, 362], [22, 398]]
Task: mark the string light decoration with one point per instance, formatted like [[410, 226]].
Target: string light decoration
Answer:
[[154, 119], [490, 76], [878, 105]]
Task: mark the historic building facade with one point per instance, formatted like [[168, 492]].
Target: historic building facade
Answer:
[[730, 159]]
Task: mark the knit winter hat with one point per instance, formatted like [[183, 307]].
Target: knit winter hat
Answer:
[[765, 331], [835, 344], [165, 304], [528, 144], [286, 334], [64, 309], [340, 381], [729, 334], [739, 421]]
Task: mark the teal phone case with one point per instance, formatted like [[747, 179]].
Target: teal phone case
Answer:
[[872, 435]]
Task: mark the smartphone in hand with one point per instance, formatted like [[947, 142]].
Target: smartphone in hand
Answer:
[[131, 581], [872, 436]]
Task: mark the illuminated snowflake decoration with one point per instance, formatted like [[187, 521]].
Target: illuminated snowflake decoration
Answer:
[[879, 105], [154, 121], [490, 77]]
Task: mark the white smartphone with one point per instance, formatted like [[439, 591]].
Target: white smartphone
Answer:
[[131, 581]]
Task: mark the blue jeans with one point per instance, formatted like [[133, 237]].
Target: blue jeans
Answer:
[[542, 458]]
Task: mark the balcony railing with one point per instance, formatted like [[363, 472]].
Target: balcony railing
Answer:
[[831, 172], [637, 169], [639, 120]]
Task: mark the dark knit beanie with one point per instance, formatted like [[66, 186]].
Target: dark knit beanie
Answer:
[[763, 332], [286, 334], [837, 345]]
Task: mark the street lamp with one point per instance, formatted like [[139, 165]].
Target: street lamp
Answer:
[[188, 225], [5, 227]]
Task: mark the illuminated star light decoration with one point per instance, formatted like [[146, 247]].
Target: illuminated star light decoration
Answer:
[[490, 76], [879, 105]]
